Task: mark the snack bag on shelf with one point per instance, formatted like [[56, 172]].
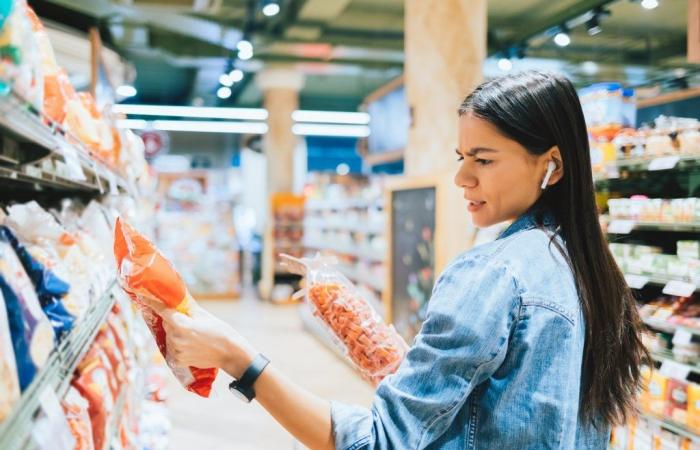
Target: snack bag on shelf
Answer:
[[144, 273], [94, 381], [49, 288], [32, 334], [76, 409], [374, 347], [677, 401], [693, 417], [104, 147], [38, 228], [20, 58], [9, 384]]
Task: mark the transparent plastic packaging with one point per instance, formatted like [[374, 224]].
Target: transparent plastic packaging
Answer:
[[374, 347], [76, 409], [144, 273], [9, 384]]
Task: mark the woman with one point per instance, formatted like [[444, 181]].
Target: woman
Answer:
[[530, 342]]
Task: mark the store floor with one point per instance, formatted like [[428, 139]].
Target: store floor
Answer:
[[224, 422]]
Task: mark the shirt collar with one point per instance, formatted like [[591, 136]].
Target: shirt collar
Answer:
[[530, 220]]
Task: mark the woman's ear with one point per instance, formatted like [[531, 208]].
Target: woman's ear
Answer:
[[554, 154]]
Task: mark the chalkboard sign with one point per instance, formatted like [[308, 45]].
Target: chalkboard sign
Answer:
[[412, 268]]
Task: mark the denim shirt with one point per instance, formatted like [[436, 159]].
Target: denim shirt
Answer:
[[497, 363]]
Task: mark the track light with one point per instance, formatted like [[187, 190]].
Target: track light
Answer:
[[650, 4], [245, 49], [562, 38], [270, 8], [593, 25], [505, 64]]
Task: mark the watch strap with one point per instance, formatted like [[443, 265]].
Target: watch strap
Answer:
[[245, 384]]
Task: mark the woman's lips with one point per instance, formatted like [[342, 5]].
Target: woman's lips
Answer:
[[475, 205]]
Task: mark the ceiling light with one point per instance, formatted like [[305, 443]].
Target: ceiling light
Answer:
[[317, 129], [650, 4], [223, 92], [202, 126], [593, 25], [244, 45], [225, 80], [236, 75], [126, 91], [504, 64], [349, 118], [562, 39], [245, 55], [192, 111], [271, 9]]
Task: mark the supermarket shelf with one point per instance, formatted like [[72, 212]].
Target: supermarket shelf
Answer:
[[661, 226], [356, 252], [19, 120], [341, 204], [667, 356], [670, 425], [669, 327], [659, 280], [666, 162], [370, 228], [56, 374]]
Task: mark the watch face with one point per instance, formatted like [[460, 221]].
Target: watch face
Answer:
[[238, 394]]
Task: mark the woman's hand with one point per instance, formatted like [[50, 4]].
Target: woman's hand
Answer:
[[203, 340]]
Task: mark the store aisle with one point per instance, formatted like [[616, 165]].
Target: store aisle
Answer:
[[224, 422]]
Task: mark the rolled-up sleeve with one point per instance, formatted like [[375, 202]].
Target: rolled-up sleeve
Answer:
[[463, 341]]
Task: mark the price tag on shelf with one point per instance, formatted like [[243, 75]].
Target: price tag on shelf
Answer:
[[682, 336], [636, 281], [679, 288], [664, 163], [618, 226], [675, 370]]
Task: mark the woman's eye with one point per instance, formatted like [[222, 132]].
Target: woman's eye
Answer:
[[460, 158], [483, 162]]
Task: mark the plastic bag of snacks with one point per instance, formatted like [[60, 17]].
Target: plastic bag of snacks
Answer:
[[9, 384], [76, 409], [374, 347], [49, 288], [20, 58], [32, 334], [36, 226], [144, 273], [95, 383]]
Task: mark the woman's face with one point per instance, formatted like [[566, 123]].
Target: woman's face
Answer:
[[501, 180]]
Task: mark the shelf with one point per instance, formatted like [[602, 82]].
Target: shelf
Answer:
[[670, 425], [654, 226], [669, 327], [637, 281], [15, 431], [341, 204], [355, 252], [55, 152], [664, 162], [368, 228]]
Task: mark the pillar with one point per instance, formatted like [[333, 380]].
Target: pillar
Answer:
[[280, 88], [445, 46]]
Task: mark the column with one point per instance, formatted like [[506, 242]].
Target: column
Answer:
[[280, 88], [445, 46]]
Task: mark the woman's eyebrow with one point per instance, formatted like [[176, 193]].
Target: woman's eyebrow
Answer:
[[476, 150]]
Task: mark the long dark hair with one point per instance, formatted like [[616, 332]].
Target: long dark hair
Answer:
[[540, 110]]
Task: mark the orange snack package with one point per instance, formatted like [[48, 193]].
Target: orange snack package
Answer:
[[374, 347], [143, 272], [76, 409]]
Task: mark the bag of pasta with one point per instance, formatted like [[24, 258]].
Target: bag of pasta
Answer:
[[374, 347], [144, 273]]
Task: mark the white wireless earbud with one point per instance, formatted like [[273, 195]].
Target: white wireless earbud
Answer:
[[551, 166]]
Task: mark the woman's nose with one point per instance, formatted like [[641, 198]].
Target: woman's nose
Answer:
[[465, 179]]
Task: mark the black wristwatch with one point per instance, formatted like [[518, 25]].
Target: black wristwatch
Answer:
[[243, 388]]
